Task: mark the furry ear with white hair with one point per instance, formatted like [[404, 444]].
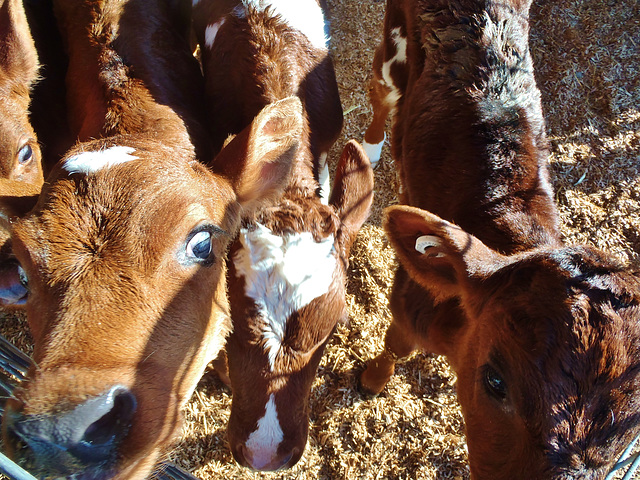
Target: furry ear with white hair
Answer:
[[437, 254], [258, 160]]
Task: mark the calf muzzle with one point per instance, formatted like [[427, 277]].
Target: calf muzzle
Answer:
[[81, 440]]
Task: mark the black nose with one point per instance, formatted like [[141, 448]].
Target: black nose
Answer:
[[88, 435]]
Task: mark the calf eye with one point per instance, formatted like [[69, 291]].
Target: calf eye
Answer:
[[199, 246], [494, 384], [25, 154], [24, 280]]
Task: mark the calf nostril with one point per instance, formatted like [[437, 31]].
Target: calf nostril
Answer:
[[89, 434], [115, 421]]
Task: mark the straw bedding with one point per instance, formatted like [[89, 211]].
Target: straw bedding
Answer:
[[586, 56]]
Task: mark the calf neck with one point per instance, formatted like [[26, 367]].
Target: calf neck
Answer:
[[544, 338]]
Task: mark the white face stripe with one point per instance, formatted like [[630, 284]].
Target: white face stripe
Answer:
[[211, 32], [264, 441], [91, 162], [400, 57], [303, 15], [282, 274]]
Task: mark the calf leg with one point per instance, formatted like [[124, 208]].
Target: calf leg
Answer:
[[221, 366], [399, 341], [381, 98], [380, 369]]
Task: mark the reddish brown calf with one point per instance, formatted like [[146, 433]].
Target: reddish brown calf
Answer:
[[124, 250], [544, 338], [288, 266]]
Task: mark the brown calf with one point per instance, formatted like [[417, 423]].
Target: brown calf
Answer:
[[19, 149], [288, 267], [124, 250], [544, 338]]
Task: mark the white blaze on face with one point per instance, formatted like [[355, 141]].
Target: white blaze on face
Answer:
[[264, 441], [282, 274], [210, 33], [400, 57], [91, 162], [303, 15]]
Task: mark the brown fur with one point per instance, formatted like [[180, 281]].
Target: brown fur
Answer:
[[116, 297], [543, 337], [18, 72], [256, 59]]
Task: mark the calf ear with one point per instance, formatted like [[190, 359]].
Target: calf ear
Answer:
[[437, 254], [18, 56], [16, 200], [352, 192], [258, 160]]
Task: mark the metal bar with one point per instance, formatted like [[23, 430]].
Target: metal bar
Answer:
[[632, 468], [19, 357], [13, 471], [171, 472], [624, 461]]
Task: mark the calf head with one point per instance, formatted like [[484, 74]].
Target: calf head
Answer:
[[286, 289], [19, 149], [124, 257], [546, 346]]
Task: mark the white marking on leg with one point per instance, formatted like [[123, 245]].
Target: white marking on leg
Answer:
[[400, 57], [91, 162], [282, 274], [303, 15], [374, 151], [324, 179], [210, 33], [264, 441]]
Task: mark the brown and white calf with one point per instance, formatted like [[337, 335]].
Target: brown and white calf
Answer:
[[287, 269], [544, 338], [123, 250], [19, 149]]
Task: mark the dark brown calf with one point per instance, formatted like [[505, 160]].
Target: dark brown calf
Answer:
[[288, 267], [544, 338], [124, 249]]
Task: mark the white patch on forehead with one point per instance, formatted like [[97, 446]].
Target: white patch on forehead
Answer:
[[303, 15], [195, 2], [210, 33], [400, 57], [282, 274], [91, 162], [264, 441]]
